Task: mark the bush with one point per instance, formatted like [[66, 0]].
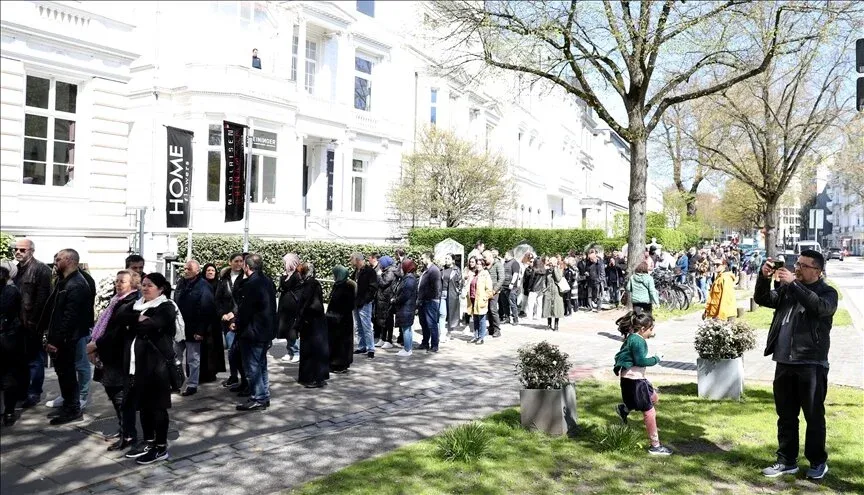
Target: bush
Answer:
[[544, 241], [543, 366], [323, 255], [670, 239], [716, 340], [617, 437], [464, 443], [7, 241]]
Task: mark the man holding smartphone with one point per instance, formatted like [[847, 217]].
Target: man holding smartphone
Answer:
[[798, 342]]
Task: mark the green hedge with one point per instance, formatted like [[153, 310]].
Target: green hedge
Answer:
[[670, 239], [544, 241], [7, 241], [324, 255]]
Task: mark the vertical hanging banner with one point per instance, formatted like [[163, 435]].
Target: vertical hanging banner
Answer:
[[179, 185], [235, 171]]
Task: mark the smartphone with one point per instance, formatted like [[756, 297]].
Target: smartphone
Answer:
[[777, 264]]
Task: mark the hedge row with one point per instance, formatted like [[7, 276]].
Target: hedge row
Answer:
[[6, 243], [544, 241], [323, 255]]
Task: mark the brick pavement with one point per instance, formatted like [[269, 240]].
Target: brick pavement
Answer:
[[382, 404]]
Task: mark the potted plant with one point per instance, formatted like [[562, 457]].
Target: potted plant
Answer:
[[548, 399], [720, 366]]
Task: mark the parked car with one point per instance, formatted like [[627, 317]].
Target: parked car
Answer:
[[805, 245], [835, 254]]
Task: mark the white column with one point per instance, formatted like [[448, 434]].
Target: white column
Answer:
[[301, 55], [345, 70], [342, 181]]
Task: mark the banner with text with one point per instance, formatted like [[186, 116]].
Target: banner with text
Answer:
[[235, 171], [178, 192]]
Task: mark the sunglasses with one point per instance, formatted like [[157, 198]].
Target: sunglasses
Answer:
[[22, 250]]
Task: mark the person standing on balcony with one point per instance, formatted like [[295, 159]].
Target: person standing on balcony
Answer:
[[256, 62]]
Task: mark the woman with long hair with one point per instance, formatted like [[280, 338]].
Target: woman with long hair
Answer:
[[212, 348], [479, 293], [107, 348]]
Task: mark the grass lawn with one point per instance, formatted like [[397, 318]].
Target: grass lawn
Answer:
[[720, 447], [663, 314], [761, 318]]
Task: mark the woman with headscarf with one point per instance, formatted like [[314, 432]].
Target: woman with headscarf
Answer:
[[311, 326], [340, 321], [405, 304], [382, 317], [13, 364], [451, 289], [289, 306], [553, 300], [107, 348], [212, 348]]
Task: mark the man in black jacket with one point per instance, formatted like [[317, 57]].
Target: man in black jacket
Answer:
[[34, 282], [67, 318], [367, 290], [195, 300], [798, 342], [256, 328], [429, 303]]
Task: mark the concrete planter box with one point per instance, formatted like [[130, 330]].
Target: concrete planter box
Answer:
[[550, 411], [723, 379]]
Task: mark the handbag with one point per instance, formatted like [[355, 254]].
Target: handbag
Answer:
[[563, 286], [176, 375]]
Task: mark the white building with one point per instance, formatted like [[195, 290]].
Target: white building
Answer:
[[847, 217], [342, 90]]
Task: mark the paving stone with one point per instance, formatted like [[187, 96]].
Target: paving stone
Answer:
[[202, 457]]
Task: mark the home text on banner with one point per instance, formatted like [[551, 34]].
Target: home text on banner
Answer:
[[178, 192]]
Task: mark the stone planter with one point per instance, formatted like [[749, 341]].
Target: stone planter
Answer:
[[723, 379], [550, 411]]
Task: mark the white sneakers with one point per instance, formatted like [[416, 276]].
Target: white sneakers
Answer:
[[290, 359], [387, 345], [58, 402], [404, 353], [379, 343]]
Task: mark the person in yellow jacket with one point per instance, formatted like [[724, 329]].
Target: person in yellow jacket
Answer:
[[721, 299], [479, 294]]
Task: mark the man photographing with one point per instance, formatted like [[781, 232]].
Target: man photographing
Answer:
[[798, 342]]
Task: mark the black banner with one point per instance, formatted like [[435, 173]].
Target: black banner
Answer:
[[235, 171], [179, 185], [330, 155]]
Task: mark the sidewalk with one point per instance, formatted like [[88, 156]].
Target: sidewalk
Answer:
[[382, 404]]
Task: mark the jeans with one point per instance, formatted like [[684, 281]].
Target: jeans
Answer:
[[363, 327], [513, 297], [408, 337], [37, 375], [494, 317], [800, 388], [442, 315], [293, 347], [255, 359], [83, 368], [703, 289], [429, 323], [67, 376], [479, 327], [192, 350]]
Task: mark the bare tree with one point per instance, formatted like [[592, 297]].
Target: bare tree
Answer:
[[777, 122], [642, 52]]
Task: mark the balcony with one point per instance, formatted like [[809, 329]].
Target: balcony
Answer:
[[238, 80]]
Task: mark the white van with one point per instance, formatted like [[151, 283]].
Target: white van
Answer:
[[805, 245]]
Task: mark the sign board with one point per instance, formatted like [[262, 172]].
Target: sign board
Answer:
[[263, 140], [817, 219]]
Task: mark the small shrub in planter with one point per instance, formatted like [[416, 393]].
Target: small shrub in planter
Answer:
[[543, 366], [465, 443], [548, 402], [720, 367]]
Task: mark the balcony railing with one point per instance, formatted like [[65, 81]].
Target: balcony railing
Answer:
[[236, 79]]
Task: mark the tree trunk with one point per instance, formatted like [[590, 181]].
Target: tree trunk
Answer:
[[771, 228], [637, 197], [691, 207]]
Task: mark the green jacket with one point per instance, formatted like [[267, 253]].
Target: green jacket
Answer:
[[633, 352], [642, 290]]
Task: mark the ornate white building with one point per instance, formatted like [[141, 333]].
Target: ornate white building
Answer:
[[342, 90]]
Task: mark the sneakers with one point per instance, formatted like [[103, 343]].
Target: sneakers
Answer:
[[140, 449], [479, 342], [779, 469], [359, 351], [404, 353], [287, 358], [66, 417], [295, 358], [622, 412], [817, 472], [231, 381], [189, 391], [56, 402], [379, 343], [473, 341], [156, 454], [387, 345], [660, 450]]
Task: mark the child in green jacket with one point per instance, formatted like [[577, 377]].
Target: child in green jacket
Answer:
[[630, 362]]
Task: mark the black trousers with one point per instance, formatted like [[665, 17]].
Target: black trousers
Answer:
[[494, 317], [67, 376], [797, 388], [504, 304], [154, 424], [125, 412]]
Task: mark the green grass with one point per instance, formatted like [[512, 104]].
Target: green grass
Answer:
[[832, 284], [761, 318], [720, 447], [663, 314]]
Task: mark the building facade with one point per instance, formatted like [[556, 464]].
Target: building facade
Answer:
[[334, 100], [847, 217]]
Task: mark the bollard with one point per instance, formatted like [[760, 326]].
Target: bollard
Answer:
[[741, 312], [753, 305]]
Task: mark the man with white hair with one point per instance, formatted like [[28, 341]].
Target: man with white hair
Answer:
[[34, 282], [195, 301]]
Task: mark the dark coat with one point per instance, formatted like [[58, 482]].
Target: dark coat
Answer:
[[289, 305], [34, 283], [212, 347], [228, 294], [195, 300], [256, 315], [340, 325], [13, 342], [596, 272], [528, 280], [68, 315], [387, 282], [615, 275], [154, 349], [451, 280], [315, 345], [538, 281], [111, 344], [405, 300], [430, 284], [367, 286]]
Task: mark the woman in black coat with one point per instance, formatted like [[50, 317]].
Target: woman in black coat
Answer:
[[107, 350], [340, 321], [212, 348], [152, 328], [14, 371], [382, 315], [451, 287], [312, 328], [289, 307], [405, 305]]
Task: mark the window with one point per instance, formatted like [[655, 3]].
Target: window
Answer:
[[49, 124], [366, 7], [311, 65], [263, 187], [433, 111], [246, 12], [358, 185], [294, 47], [214, 162], [362, 84]]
